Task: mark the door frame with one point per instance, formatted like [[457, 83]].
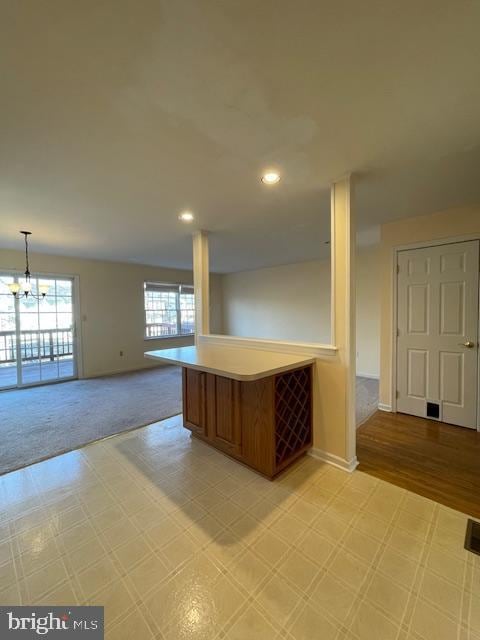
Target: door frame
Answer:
[[77, 325], [424, 245]]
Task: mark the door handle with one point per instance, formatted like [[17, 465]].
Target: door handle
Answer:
[[468, 344]]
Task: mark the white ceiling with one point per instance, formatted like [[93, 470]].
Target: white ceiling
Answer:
[[116, 115]]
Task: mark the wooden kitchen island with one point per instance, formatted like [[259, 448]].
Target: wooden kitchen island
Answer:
[[255, 406]]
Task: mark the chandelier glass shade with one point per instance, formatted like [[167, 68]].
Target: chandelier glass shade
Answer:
[[24, 289]]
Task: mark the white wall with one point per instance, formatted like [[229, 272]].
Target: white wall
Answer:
[[292, 302], [368, 281], [216, 303], [111, 304]]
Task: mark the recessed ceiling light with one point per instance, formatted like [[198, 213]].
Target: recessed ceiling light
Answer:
[[271, 177], [186, 216]]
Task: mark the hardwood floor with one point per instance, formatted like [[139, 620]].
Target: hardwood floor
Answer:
[[432, 459]]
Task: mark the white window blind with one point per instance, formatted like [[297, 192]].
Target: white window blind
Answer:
[[169, 310]]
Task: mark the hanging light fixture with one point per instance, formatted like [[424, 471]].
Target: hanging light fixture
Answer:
[[18, 290]]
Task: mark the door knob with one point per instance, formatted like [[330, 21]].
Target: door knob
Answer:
[[469, 344]]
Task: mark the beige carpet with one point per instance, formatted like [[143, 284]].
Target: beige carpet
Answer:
[[367, 399], [41, 422]]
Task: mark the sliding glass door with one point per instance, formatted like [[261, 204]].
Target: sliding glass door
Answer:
[[37, 342], [8, 335]]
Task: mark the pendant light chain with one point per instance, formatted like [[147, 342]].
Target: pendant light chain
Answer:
[[27, 272], [19, 291]]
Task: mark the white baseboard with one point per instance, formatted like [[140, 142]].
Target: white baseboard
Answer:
[[370, 376], [385, 407], [336, 461]]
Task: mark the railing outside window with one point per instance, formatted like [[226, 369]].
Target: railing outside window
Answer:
[[46, 344]]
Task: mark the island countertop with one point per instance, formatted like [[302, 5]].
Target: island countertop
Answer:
[[231, 362]]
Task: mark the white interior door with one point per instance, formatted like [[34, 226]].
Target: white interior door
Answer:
[[437, 320]]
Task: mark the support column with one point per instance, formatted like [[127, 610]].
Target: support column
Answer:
[[334, 380], [201, 280], [344, 329]]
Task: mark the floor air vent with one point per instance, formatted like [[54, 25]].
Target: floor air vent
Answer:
[[472, 539]]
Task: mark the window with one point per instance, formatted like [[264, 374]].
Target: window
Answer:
[[169, 310]]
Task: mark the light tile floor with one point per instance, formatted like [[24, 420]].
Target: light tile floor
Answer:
[[177, 541]]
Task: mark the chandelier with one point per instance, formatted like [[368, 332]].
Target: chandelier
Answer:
[[24, 290]]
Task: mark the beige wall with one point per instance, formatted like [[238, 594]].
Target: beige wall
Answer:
[[111, 304], [216, 303], [292, 302], [450, 224], [288, 302], [368, 280]]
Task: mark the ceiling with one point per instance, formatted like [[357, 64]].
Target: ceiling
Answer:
[[116, 115]]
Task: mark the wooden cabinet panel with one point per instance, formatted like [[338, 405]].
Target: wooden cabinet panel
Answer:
[[224, 409], [223, 413], [194, 406], [258, 424]]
